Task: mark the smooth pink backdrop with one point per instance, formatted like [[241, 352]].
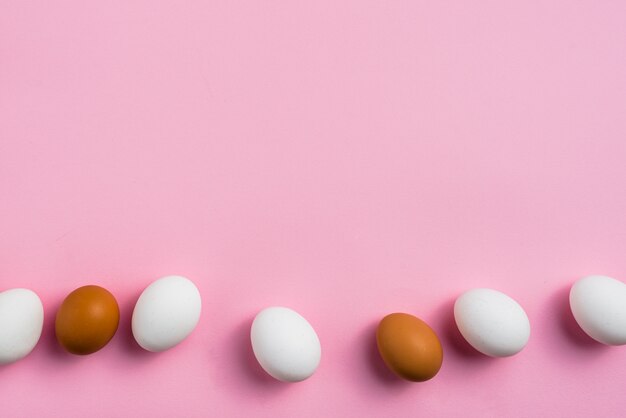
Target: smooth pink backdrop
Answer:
[[345, 158]]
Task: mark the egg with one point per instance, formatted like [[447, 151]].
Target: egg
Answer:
[[598, 304], [409, 347], [285, 344], [21, 322], [166, 312], [87, 320], [492, 322]]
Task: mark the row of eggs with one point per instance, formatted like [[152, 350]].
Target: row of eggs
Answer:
[[284, 343]]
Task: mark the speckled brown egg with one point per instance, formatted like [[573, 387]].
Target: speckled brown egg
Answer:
[[87, 320], [409, 347]]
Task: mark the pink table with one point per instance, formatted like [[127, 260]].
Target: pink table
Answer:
[[345, 158]]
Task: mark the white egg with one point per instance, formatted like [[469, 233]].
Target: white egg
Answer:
[[285, 344], [492, 322], [599, 306], [21, 322], [166, 313]]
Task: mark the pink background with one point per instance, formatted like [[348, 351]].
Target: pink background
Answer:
[[347, 159]]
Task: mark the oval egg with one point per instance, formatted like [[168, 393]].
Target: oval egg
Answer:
[[285, 344], [598, 304], [492, 322], [21, 322], [409, 347], [87, 320], [167, 311]]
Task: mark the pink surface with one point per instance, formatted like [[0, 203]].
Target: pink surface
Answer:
[[346, 159]]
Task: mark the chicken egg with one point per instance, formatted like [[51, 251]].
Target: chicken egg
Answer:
[[87, 320], [21, 322], [409, 347]]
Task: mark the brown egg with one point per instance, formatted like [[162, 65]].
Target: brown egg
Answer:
[[409, 347], [87, 320]]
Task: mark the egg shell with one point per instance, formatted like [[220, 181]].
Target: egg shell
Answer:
[[21, 322], [492, 322], [409, 347], [167, 311], [87, 320], [285, 344], [598, 304]]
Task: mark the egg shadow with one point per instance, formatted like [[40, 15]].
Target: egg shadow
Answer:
[[247, 362], [452, 338], [567, 325], [377, 368], [124, 334], [48, 344], [49, 340]]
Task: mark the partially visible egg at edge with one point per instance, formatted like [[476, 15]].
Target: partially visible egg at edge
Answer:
[[598, 304], [21, 323]]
